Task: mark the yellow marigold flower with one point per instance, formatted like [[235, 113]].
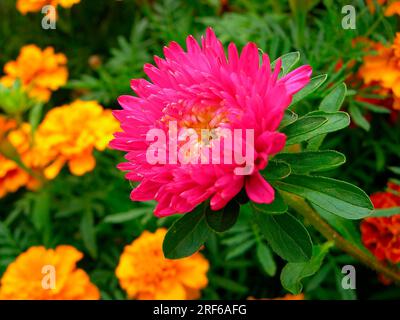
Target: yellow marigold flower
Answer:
[[40, 71], [392, 9], [70, 133], [29, 278], [145, 274], [383, 68], [25, 6], [68, 3]]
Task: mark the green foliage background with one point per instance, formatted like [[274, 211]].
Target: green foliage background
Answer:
[[94, 212]]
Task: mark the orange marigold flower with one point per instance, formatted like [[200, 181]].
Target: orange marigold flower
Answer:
[[16, 141], [371, 4], [25, 6], [287, 296], [381, 235], [291, 297], [383, 69], [11, 176], [68, 3], [70, 133], [29, 278], [144, 273], [39, 71], [392, 9]]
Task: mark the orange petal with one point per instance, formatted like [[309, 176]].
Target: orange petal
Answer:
[[81, 164]]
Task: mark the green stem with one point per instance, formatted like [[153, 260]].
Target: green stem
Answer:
[[303, 208], [374, 26]]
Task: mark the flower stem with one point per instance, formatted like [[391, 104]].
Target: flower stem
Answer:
[[303, 208]]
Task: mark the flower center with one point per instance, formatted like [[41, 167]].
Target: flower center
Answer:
[[204, 120]]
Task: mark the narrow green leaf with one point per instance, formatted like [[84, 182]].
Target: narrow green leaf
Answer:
[[358, 118], [88, 233], [41, 210], [395, 170], [187, 234], [312, 161], [331, 103], [288, 118], [286, 236], [224, 219], [303, 126], [385, 212], [227, 284], [122, 217], [240, 249], [337, 197], [313, 85], [35, 115], [293, 273], [372, 107], [237, 238], [334, 100], [266, 259], [333, 122]]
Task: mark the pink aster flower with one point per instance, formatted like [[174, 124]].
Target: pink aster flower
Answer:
[[201, 88]]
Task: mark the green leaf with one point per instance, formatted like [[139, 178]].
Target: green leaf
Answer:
[[358, 118], [319, 277], [224, 219], [293, 273], [289, 60], [276, 170], [385, 212], [41, 210], [240, 249], [331, 103], [227, 284], [335, 196], [286, 236], [335, 121], [334, 100], [288, 118], [266, 259], [347, 228], [122, 217], [187, 234], [237, 238], [312, 161], [35, 115], [395, 170], [306, 127], [278, 206], [313, 85], [88, 233], [303, 126], [41, 217], [372, 107]]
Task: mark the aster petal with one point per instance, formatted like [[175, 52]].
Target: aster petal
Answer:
[[297, 79], [271, 142], [259, 190]]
